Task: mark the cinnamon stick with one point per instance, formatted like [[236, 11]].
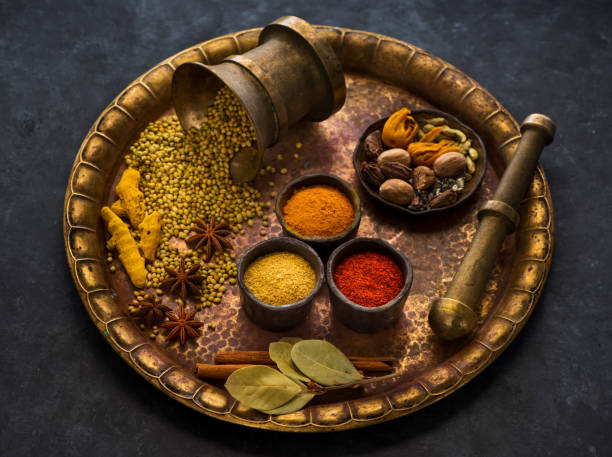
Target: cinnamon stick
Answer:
[[251, 357], [262, 358], [211, 371], [390, 360], [372, 364]]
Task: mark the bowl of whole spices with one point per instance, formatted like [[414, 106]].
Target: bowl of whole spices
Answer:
[[320, 209], [368, 281], [419, 162], [278, 279]]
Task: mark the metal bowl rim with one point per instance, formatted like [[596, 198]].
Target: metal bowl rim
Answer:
[[281, 241], [381, 245], [301, 180], [407, 210]]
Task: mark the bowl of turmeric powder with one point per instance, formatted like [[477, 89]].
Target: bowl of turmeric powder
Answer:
[[320, 209]]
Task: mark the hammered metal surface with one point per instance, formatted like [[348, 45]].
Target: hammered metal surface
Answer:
[[383, 74]]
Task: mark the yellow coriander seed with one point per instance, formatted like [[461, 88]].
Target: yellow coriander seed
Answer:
[[186, 175]]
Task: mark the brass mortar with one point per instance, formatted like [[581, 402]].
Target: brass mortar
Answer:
[[292, 74]]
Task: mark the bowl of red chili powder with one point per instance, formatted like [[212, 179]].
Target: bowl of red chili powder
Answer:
[[320, 209], [368, 281]]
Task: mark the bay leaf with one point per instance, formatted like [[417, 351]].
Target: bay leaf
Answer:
[[290, 339], [261, 387], [280, 353], [323, 362], [293, 405]]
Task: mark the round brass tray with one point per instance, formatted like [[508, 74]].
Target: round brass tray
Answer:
[[383, 74]]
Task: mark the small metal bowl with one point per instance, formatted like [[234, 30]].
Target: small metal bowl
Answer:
[[470, 186], [278, 317], [312, 179], [358, 317]]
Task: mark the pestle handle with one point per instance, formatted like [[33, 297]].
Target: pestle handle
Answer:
[[454, 316]]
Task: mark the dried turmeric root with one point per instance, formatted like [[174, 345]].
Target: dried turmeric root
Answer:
[[118, 209], [150, 235], [432, 134], [425, 153], [132, 200], [122, 240]]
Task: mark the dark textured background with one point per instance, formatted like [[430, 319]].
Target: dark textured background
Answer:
[[63, 389]]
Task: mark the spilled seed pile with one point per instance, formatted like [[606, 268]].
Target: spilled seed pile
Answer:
[[185, 175]]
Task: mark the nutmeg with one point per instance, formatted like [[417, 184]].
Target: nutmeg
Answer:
[[396, 191], [395, 155], [372, 174], [423, 178], [396, 170], [373, 145], [448, 197], [449, 164]]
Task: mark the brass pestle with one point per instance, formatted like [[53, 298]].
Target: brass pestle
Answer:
[[454, 316]]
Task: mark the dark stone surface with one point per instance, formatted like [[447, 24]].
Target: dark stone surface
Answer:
[[63, 389]]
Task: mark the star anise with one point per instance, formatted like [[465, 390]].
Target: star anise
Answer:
[[210, 235], [151, 309], [182, 326], [183, 281]]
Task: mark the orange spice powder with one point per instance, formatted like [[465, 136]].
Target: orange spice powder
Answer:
[[318, 211]]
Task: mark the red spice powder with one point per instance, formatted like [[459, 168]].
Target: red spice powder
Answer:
[[369, 278]]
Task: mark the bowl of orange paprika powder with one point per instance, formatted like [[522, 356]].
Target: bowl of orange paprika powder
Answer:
[[320, 209], [368, 281]]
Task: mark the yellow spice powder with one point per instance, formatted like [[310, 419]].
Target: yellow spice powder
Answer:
[[280, 278]]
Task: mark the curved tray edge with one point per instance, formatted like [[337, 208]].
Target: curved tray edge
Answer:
[[359, 51]]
